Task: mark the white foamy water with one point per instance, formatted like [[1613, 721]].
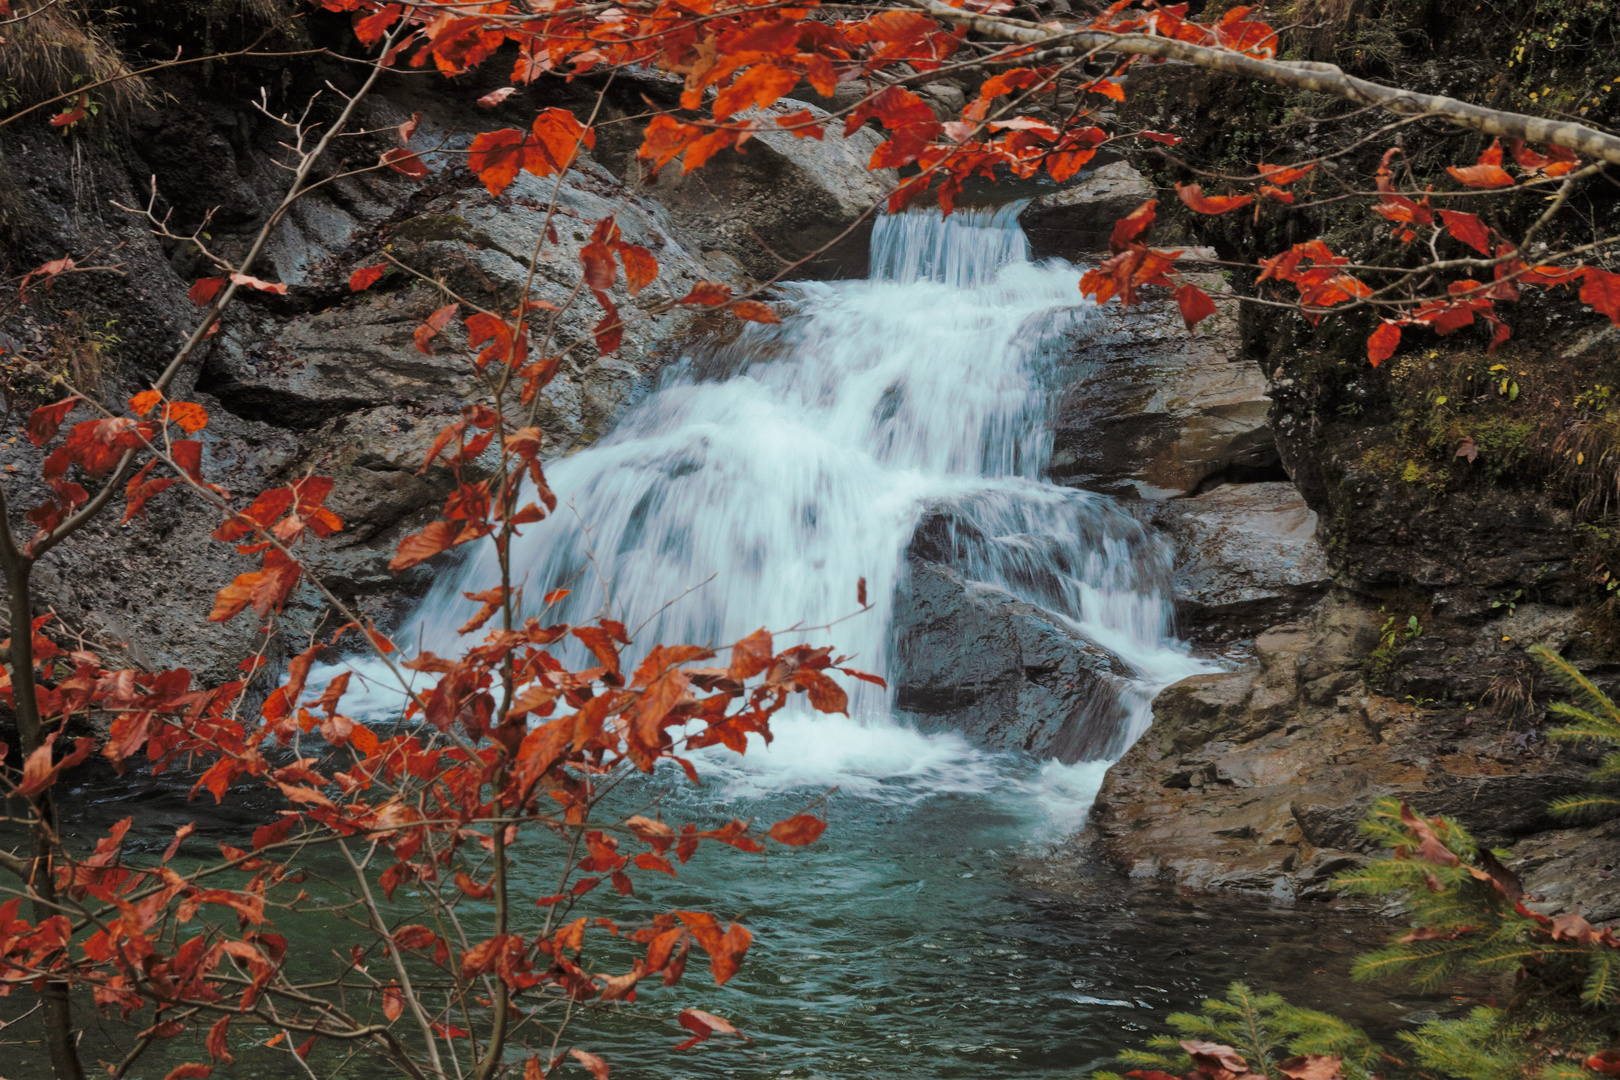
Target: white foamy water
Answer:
[[767, 475]]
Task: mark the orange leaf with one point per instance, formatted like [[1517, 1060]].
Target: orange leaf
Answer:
[[1381, 345], [753, 311], [422, 546], [711, 293], [216, 1041], [405, 162], [279, 288], [45, 421], [190, 1071], [1193, 195], [798, 830], [761, 85], [1469, 229], [1602, 291], [203, 290], [596, 1065], [1283, 175], [1196, 306], [1132, 225], [1488, 173], [435, 323], [366, 277], [640, 268]]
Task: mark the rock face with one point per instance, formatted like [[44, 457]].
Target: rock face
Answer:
[[325, 380], [1247, 557], [1156, 414], [969, 657], [1257, 779], [1081, 218], [781, 200]]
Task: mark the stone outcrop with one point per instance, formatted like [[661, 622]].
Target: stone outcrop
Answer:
[[1256, 779], [1008, 674], [325, 380], [1081, 217], [1247, 558]]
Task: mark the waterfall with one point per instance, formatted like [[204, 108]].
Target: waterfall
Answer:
[[765, 475]]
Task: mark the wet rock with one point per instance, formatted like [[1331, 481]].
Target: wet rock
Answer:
[[1010, 676], [1079, 219], [1256, 780], [1247, 557], [779, 200], [1152, 413]]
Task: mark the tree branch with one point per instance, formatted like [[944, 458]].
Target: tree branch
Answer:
[[1300, 75]]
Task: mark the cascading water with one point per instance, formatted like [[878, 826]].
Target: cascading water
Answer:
[[766, 475], [785, 465]]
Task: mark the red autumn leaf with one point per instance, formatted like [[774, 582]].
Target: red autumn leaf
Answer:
[[753, 311], [366, 277], [1381, 345], [190, 416], [1607, 1063], [393, 1003], [422, 546], [203, 290], [495, 97], [370, 28], [711, 293], [609, 332], [1469, 229], [702, 1025], [1107, 88], [798, 830], [1602, 291], [640, 267], [216, 1045], [190, 1071], [760, 86], [1196, 306], [1283, 175], [48, 271], [1193, 195], [600, 269], [496, 157], [1131, 226], [45, 421], [1488, 173], [436, 322], [598, 1068], [405, 162], [1160, 137], [1311, 1067], [40, 773], [73, 115]]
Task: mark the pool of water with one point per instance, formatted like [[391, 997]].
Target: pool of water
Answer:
[[904, 943]]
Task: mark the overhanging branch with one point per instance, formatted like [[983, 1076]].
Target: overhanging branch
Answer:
[[1300, 75]]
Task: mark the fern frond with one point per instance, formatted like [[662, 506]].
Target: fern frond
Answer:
[[1583, 688], [1585, 726], [1602, 987], [1608, 768], [1585, 807]]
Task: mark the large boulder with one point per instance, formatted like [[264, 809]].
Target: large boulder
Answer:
[[1080, 218], [1151, 412], [1009, 675], [1247, 557], [782, 199]]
